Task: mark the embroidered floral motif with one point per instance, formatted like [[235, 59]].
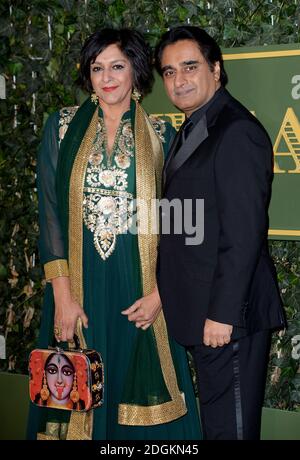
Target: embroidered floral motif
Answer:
[[159, 126], [122, 161], [65, 117], [106, 217], [107, 206]]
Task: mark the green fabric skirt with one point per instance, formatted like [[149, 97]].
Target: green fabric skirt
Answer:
[[110, 287]]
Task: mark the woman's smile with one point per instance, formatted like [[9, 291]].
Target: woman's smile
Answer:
[[109, 89]]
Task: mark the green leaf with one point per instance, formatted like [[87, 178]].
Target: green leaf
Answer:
[[15, 67], [3, 272], [53, 68]]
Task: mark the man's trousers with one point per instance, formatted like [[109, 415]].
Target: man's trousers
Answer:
[[231, 384]]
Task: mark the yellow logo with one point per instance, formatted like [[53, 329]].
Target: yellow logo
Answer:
[[176, 119], [287, 145]]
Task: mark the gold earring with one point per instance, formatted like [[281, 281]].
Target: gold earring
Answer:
[[74, 395], [94, 98], [45, 393], [136, 95]]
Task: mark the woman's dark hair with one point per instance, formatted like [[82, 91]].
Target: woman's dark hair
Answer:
[[134, 47], [208, 47]]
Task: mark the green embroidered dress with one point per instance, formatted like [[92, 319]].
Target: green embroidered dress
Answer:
[[111, 275]]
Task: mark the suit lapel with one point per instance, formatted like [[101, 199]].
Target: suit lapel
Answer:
[[195, 139], [197, 136], [170, 155]]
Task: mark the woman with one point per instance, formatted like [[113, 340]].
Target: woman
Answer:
[[95, 161], [59, 384]]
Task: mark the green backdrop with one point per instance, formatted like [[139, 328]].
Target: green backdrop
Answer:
[[267, 80], [262, 78]]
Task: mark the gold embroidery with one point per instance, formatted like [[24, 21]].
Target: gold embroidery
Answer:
[[99, 176], [55, 431], [107, 211], [81, 426], [56, 268], [46, 437], [159, 126], [133, 415], [65, 117], [149, 157], [107, 192], [107, 217]]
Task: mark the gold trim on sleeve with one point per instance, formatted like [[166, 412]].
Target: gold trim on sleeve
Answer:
[[56, 268]]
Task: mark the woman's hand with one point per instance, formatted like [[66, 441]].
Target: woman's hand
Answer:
[[145, 310], [67, 311]]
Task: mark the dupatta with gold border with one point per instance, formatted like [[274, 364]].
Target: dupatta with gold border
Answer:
[[165, 402]]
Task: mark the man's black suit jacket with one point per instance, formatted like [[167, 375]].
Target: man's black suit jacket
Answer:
[[230, 277]]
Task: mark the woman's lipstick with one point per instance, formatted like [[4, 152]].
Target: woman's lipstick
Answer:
[[109, 89], [59, 390]]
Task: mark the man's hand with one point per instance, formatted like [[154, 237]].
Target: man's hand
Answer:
[[216, 334], [145, 310]]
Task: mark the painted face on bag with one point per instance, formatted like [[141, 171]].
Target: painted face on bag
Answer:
[[60, 375], [189, 81], [112, 76]]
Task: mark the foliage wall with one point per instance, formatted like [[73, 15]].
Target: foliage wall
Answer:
[[40, 42]]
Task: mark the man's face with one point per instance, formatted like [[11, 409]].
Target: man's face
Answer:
[[188, 79]]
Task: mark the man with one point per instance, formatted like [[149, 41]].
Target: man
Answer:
[[220, 297]]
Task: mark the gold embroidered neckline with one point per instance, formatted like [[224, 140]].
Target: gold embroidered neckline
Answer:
[[107, 203]]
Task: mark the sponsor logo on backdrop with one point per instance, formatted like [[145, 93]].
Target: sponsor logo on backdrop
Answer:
[[287, 144], [296, 347]]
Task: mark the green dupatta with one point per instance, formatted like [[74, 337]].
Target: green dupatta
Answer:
[[151, 359]]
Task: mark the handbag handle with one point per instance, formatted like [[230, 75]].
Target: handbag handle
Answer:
[[75, 341]]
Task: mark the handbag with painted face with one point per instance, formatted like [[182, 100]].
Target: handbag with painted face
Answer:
[[66, 379]]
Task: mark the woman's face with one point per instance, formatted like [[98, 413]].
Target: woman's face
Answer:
[[112, 76], [60, 376]]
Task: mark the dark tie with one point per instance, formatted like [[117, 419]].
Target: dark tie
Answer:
[[183, 133]]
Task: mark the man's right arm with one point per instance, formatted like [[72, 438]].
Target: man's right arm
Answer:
[[243, 171]]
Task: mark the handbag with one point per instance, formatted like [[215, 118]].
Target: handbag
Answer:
[[66, 379]]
